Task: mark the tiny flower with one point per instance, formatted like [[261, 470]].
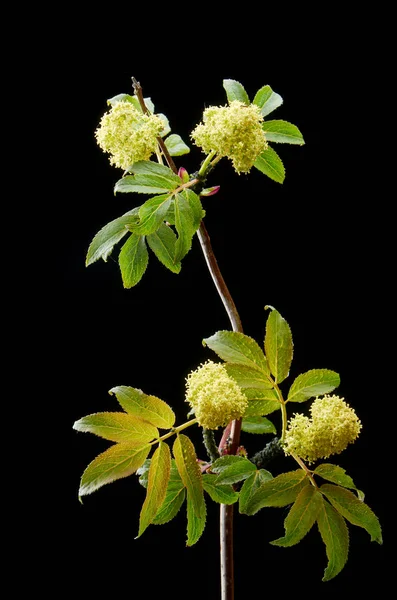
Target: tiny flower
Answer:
[[128, 135], [234, 131], [214, 396], [332, 427]]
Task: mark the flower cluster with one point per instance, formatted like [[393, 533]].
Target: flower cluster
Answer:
[[234, 131], [128, 135], [215, 397], [332, 426]]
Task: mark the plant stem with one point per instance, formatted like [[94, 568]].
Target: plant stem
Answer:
[[173, 431], [226, 511], [139, 94], [306, 470]]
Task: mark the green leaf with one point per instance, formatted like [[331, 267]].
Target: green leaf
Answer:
[[118, 427], [120, 460], [174, 497], [166, 124], [123, 98], [143, 473], [261, 402], [235, 347], [195, 206], [280, 491], [195, 523], [282, 132], [301, 517], [353, 509], [164, 174], [133, 260], [105, 240], [141, 184], [224, 494], [249, 378], [267, 100], [149, 408], [257, 425], [235, 91], [152, 214], [271, 165], [189, 470], [176, 146], [278, 346], [187, 220], [250, 486], [230, 469], [149, 104], [315, 382], [162, 243], [335, 474], [158, 478], [335, 536]]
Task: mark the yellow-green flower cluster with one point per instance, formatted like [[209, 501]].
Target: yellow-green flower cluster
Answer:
[[215, 397], [128, 135], [234, 131], [332, 426]]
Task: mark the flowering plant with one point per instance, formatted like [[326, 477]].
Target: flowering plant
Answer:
[[239, 393]]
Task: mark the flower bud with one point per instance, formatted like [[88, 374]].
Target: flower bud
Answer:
[[128, 135], [215, 397], [183, 174], [210, 191], [332, 427]]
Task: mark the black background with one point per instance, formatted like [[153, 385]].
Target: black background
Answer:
[[308, 247]]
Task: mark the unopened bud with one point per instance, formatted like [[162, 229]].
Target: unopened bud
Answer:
[[210, 191], [183, 174]]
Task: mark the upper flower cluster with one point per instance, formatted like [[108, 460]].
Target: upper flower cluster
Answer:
[[234, 131], [214, 396], [128, 135], [332, 426]]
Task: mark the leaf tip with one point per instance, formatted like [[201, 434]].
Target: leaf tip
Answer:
[[80, 499]]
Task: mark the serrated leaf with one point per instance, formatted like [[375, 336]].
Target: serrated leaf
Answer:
[[120, 460], [237, 348], [280, 491], [247, 378], [164, 174], [149, 104], [189, 470], [335, 535], [174, 497], [250, 486], [224, 494], [166, 129], [133, 260], [301, 517], [235, 91], [267, 100], [257, 425], [231, 469], [315, 382], [143, 184], [176, 146], [353, 509], [278, 346], [162, 243], [150, 408], [118, 427], [271, 165], [188, 214], [152, 214], [261, 402], [158, 478], [335, 474], [105, 240], [282, 132], [195, 523]]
